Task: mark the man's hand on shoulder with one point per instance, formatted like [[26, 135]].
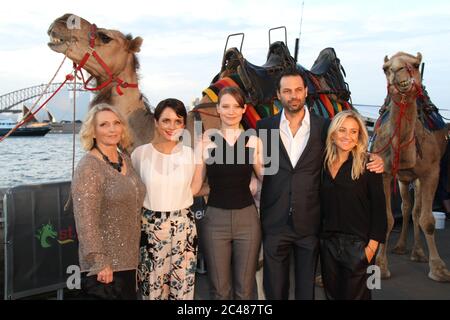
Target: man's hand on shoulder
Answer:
[[375, 164]]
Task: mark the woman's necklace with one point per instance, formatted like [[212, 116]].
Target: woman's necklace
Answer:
[[115, 165]]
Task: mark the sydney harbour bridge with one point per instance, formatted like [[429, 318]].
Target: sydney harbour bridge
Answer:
[[12, 102]]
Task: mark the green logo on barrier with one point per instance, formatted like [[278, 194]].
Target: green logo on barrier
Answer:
[[45, 232]]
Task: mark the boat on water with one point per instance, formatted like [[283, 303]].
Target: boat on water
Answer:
[[28, 130]]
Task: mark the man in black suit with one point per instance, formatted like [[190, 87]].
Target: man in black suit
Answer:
[[290, 204]]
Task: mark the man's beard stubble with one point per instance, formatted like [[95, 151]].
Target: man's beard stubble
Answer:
[[287, 107]]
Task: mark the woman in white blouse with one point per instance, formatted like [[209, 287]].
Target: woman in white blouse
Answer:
[[168, 234]]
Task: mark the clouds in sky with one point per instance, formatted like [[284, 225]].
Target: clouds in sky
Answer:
[[184, 40]]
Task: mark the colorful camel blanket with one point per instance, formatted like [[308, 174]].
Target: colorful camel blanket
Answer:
[[320, 103], [253, 113]]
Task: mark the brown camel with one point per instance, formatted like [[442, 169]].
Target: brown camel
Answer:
[[411, 154], [70, 35]]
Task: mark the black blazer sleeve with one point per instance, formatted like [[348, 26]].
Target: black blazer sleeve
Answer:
[[262, 124]]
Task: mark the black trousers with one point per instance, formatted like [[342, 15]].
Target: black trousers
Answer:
[[344, 267], [123, 287], [277, 250]]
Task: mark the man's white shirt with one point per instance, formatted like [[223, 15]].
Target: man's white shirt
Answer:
[[295, 145]]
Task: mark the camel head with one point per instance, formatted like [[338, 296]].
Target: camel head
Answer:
[[402, 72], [70, 35]]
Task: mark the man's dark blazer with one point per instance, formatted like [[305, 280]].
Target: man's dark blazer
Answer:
[[292, 194]]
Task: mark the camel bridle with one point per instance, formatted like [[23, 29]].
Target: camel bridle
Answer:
[[402, 105], [111, 77]]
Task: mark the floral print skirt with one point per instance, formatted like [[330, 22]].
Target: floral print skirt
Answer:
[[168, 255]]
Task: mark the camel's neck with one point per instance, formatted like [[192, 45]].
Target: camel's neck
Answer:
[[403, 112], [407, 101], [131, 99]]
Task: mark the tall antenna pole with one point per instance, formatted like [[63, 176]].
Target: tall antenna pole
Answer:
[[301, 23], [297, 41]]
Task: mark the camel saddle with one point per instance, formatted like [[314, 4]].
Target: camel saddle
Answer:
[[328, 67], [259, 81]]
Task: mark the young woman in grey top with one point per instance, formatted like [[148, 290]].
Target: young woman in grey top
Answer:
[[107, 195]]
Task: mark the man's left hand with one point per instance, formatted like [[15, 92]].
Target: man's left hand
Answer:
[[375, 164]]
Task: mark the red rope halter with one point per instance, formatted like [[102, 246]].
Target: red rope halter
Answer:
[[403, 105], [70, 77], [111, 77]]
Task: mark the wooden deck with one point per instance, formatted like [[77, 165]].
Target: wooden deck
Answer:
[[409, 280]]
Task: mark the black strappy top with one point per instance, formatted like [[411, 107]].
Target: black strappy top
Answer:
[[229, 169]]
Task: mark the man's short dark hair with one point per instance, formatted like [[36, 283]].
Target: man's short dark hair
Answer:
[[291, 73]]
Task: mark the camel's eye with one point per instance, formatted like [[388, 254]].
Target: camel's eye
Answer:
[[416, 65], [105, 38]]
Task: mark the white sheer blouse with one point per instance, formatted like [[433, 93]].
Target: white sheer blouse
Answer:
[[167, 177]]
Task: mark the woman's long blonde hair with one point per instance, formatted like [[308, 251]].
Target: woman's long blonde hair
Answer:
[[359, 152], [88, 128]]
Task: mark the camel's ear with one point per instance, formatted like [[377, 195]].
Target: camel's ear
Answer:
[[135, 44], [419, 57], [386, 59]]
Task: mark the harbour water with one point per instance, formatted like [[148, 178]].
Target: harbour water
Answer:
[[34, 160]]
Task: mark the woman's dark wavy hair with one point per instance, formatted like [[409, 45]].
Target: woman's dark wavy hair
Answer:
[[175, 104]]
